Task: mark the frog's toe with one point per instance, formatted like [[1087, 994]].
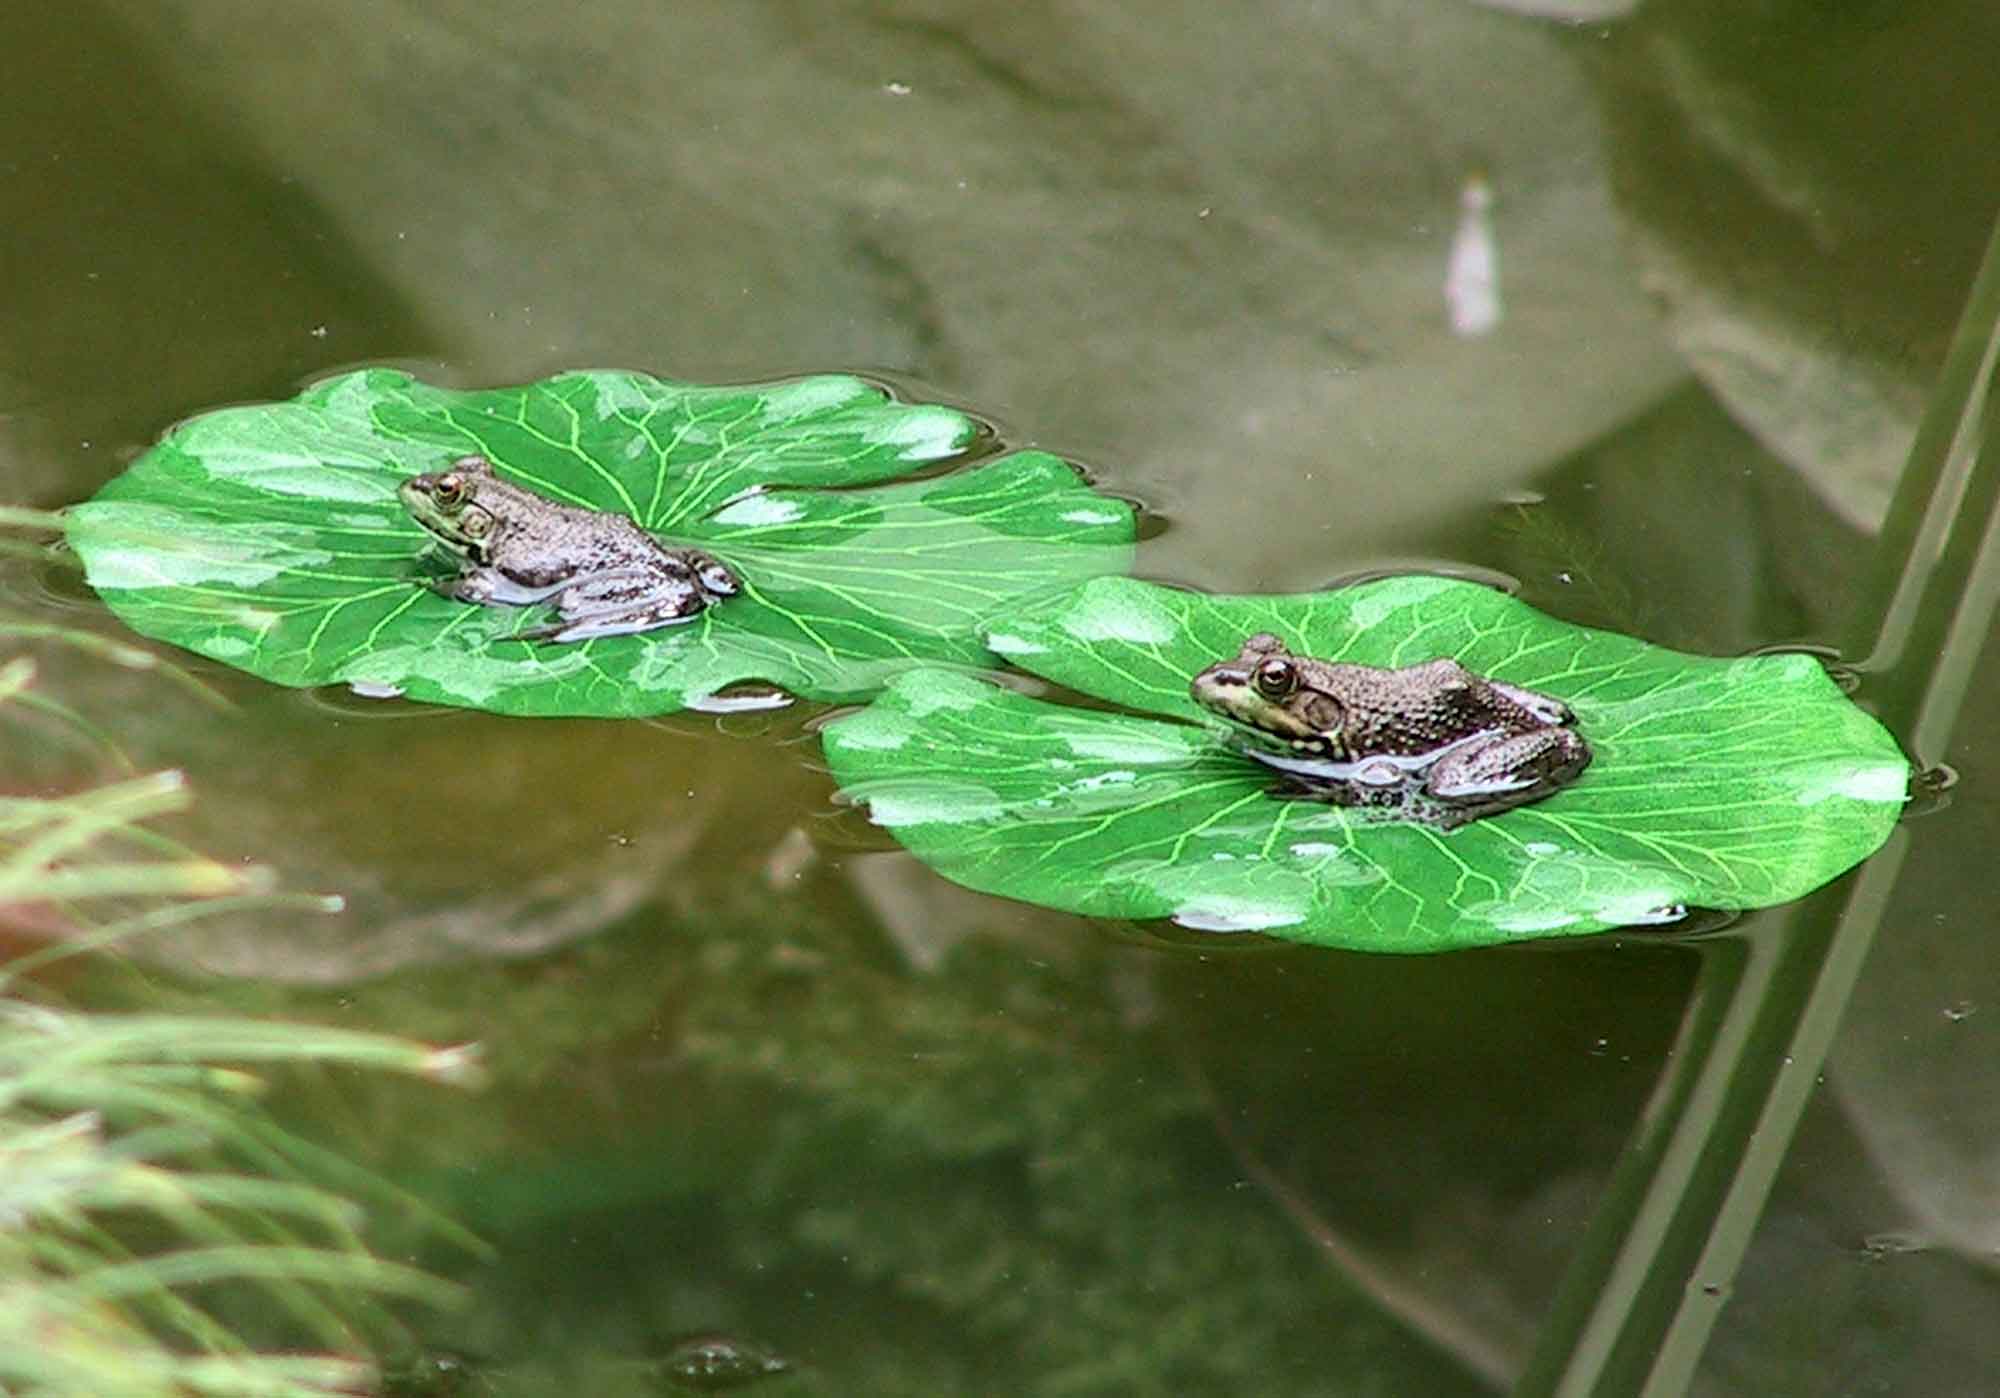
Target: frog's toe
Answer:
[[717, 579], [553, 631], [463, 589], [1545, 707]]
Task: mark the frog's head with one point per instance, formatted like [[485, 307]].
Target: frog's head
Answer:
[[1267, 696], [446, 504]]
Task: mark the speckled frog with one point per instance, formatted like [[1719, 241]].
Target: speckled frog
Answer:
[[604, 574], [1431, 742]]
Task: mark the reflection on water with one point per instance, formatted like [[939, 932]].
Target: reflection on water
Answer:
[[1203, 252]]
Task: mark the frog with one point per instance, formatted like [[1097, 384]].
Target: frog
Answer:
[[1432, 742], [604, 574]]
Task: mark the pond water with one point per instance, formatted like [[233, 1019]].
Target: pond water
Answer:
[[1638, 306]]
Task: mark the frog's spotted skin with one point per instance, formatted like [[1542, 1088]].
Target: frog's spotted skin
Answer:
[[604, 574], [1431, 742]]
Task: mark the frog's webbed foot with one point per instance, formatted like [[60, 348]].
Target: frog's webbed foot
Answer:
[[1295, 786], [475, 588]]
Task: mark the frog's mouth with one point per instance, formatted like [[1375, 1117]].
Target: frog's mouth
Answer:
[[423, 511], [1230, 698], [468, 549]]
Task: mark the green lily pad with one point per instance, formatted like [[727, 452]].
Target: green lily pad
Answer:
[[1717, 783], [271, 538]]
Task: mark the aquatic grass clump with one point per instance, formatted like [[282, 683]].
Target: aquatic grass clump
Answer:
[[115, 1127], [146, 1200]]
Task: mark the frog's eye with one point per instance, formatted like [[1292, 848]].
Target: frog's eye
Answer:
[[1276, 678], [449, 490]]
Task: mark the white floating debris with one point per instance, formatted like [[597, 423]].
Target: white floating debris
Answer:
[[739, 701], [1472, 278]]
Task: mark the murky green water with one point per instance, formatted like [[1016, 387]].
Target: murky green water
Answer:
[[756, 1071]]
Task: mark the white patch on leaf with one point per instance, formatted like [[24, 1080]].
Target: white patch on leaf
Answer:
[[1126, 747], [929, 802], [874, 730], [760, 509], [1004, 643], [1126, 619], [156, 546], [1874, 782]]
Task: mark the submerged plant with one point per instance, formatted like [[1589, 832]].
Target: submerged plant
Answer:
[[119, 1126], [139, 1179]]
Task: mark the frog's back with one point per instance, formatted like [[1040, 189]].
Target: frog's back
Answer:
[[1418, 708]]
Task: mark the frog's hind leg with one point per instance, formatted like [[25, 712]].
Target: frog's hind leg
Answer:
[[620, 604], [611, 624], [615, 624], [1497, 776]]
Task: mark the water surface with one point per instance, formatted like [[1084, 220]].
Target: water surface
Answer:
[[759, 1073]]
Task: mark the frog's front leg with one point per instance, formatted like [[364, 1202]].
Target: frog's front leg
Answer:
[[475, 585], [1545, 707], [1509, 771], [623, 602]]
